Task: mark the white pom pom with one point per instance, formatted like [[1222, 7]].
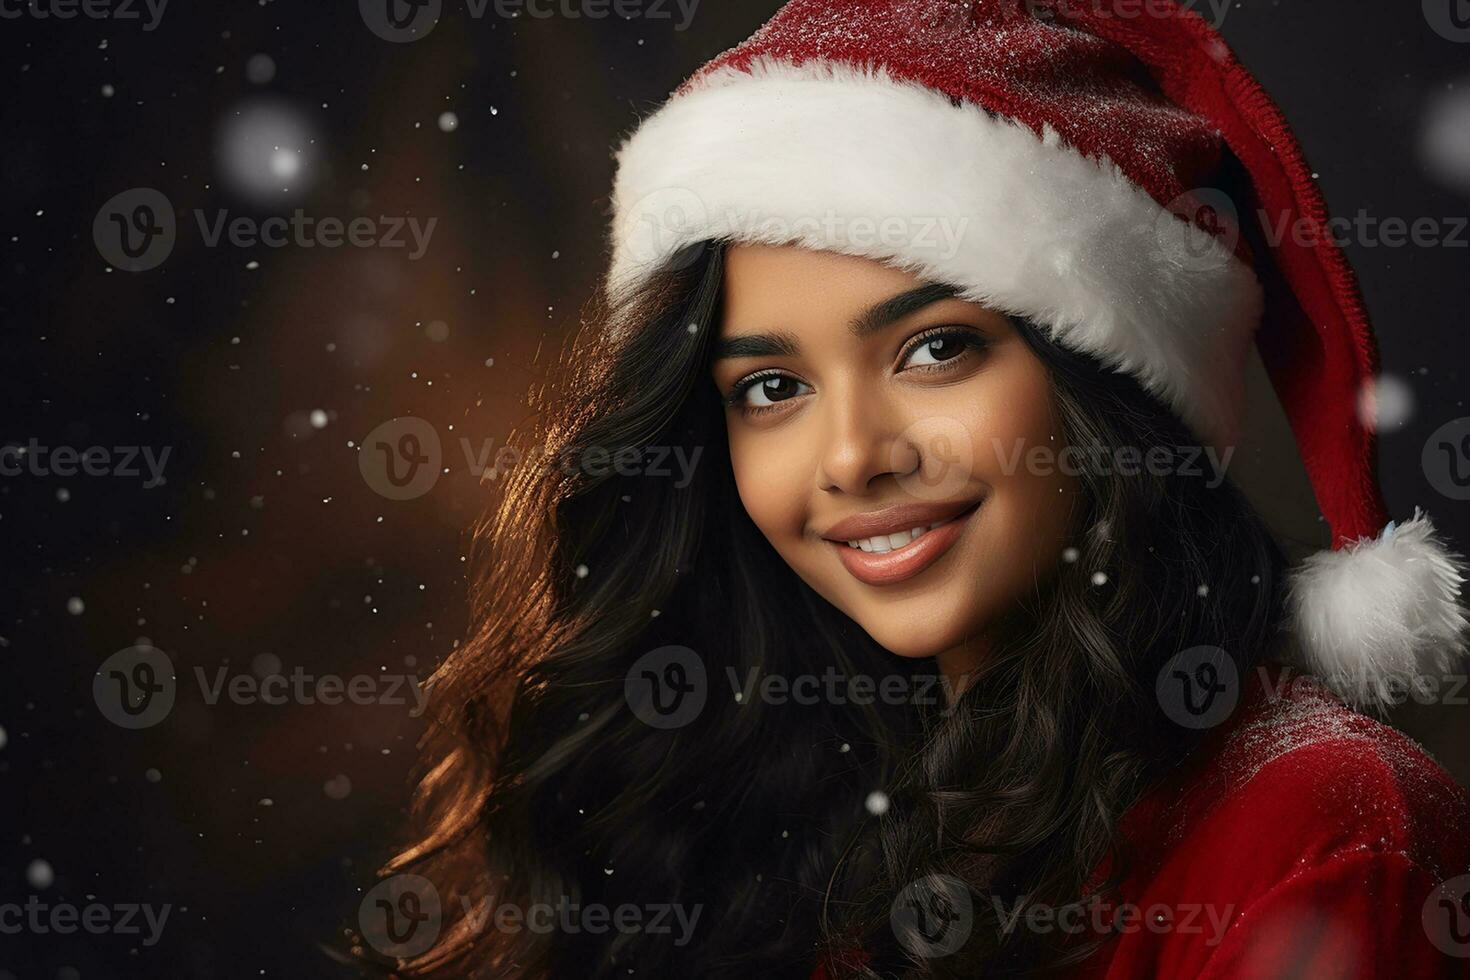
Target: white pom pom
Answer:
[[1376, 614]]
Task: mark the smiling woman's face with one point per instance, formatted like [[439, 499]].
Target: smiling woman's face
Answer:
[[864, 404]]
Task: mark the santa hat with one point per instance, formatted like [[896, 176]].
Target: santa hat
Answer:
[[1082, 164]]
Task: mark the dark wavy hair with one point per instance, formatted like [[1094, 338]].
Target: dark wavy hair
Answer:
[[541, 785]]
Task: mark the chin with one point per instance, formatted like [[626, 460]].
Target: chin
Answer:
[[920, 631]]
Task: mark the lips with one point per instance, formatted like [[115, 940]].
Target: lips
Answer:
[[888, 548]]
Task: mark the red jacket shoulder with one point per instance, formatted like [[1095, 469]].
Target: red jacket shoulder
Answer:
[[1301, 838], [1295, 777]]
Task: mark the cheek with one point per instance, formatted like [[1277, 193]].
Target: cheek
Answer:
[[773, 476], [1018, 452]]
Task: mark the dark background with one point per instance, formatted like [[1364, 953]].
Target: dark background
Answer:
[[266, 542]]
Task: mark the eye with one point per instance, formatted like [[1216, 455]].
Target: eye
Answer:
[[939, 345], [766, 390]]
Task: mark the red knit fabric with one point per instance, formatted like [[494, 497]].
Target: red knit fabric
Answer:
[[1159, 96], [1300, 840], [995, 55]]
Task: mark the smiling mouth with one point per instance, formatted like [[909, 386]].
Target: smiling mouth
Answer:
[[883, 543], [888, 557]]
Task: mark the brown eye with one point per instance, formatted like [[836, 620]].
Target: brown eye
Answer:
[[764, 391], [941, 346], [936, 350]]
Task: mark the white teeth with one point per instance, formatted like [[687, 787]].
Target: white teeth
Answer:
[[883, 543]]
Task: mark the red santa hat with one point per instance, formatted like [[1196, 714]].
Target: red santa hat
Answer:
[[1081, 163]]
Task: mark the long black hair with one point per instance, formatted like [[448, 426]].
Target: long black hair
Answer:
[[542, 785]]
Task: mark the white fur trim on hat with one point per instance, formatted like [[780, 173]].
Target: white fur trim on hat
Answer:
[[1375, 615], [848, 159]]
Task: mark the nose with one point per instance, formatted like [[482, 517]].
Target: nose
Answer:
[[865, 439]]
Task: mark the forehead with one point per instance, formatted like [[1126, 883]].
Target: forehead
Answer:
[[767, 286]]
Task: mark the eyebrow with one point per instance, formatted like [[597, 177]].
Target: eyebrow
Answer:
[[865, 324]]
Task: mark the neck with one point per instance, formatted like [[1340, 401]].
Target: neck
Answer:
[[958, 668]]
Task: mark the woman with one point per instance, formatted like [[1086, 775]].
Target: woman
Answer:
[[974, 643]]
